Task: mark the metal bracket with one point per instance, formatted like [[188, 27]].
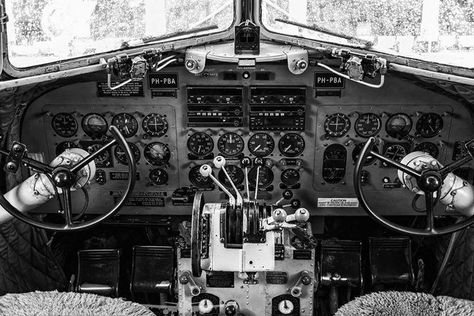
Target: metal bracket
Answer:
[[195, 61], [16, 154], [470, 147], [297, 60]]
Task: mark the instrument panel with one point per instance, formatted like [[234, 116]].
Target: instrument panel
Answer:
[[304, 140]]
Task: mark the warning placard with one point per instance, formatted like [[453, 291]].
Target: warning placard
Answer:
[[338, 202]]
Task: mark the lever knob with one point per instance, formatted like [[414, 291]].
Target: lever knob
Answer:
[[219, 162], [279, 215], [245, 162], [301, 215], [205, 170]]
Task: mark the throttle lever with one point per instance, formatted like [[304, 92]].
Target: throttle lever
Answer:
[[219, 163], [206, 171], [245, 162]]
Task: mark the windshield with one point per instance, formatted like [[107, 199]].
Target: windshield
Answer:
[[433, 30], [43, 31]]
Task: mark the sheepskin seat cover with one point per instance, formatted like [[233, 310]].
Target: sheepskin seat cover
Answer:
[[68, 304], [406, 304]]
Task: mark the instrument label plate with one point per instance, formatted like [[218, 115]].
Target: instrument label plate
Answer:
[[338, 202]]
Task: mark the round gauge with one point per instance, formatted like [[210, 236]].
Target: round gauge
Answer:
[[230, 144], [369, 159], [429, 125], [291, 145], [368, 125], [429, 148], [395, 152], [94, 125], [265, 176], [119, 154], [198, 180], [158, 176], [126, 124], [290, 177], [157, 154], [103, 159], [205, 306], [61, 147], [286, 307], [200, 144], [337, 125], [235, 173], [155, 125], [261, 144], [399, 125], [64, 124]]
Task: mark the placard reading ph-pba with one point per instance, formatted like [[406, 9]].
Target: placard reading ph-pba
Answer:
[[163, 81], [328, 80]]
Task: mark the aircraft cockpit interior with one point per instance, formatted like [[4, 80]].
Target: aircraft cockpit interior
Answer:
[[247, 157]]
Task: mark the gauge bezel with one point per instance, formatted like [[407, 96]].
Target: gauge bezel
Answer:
[[270, 144], [223, 179], [396, 134], [135, 152], [209, 142], [263, 170], [149, 132], [133, 120], [221, 145], [418, 148], [402, 145], [195, 171], [369, 160], [87, 129], [344, 131], [362, 132], [152, 171], [70, 133], [286, 137], [155, 162], [421, 121], [290, 170]]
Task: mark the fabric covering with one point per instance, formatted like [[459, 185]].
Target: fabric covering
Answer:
[[406, 304], [68, 304], [26, 261]]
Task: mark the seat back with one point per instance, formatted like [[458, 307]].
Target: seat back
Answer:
[[98, 271], [152, 269], [341, 263]]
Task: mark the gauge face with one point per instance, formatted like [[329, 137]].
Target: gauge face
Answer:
[[261, 144], [126, 124], [399, 125], [104, 159], [157, 154], [158, 176], [290, 177], [291, 145], [429, 125], [64, 124], [265, 177], [200, 144], [198, 180], [155, 125], [61, 147], [368, 125], [94, 125], [395, 152], [286, 307], [337, 125], [230, 144], [369, 159], [429, 148], [334, 163], [119, 154], [235, 173]]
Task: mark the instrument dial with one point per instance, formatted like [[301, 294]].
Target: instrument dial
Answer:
[[157, 154], [286, 307], [261, 144], [230, 144], [399, 125], [369, 159], [429, 148], [103, 160], [429, 125], [200, 144], [64, 124], [61, 147], [119, 153], [337, 125], [265, 176], [94, 125], [126, 124], [155, 125], [198, 180], [291, 145], [158, 176], [235, 173], [205, 306], [395, 152], [290, 177], [368, 125]]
